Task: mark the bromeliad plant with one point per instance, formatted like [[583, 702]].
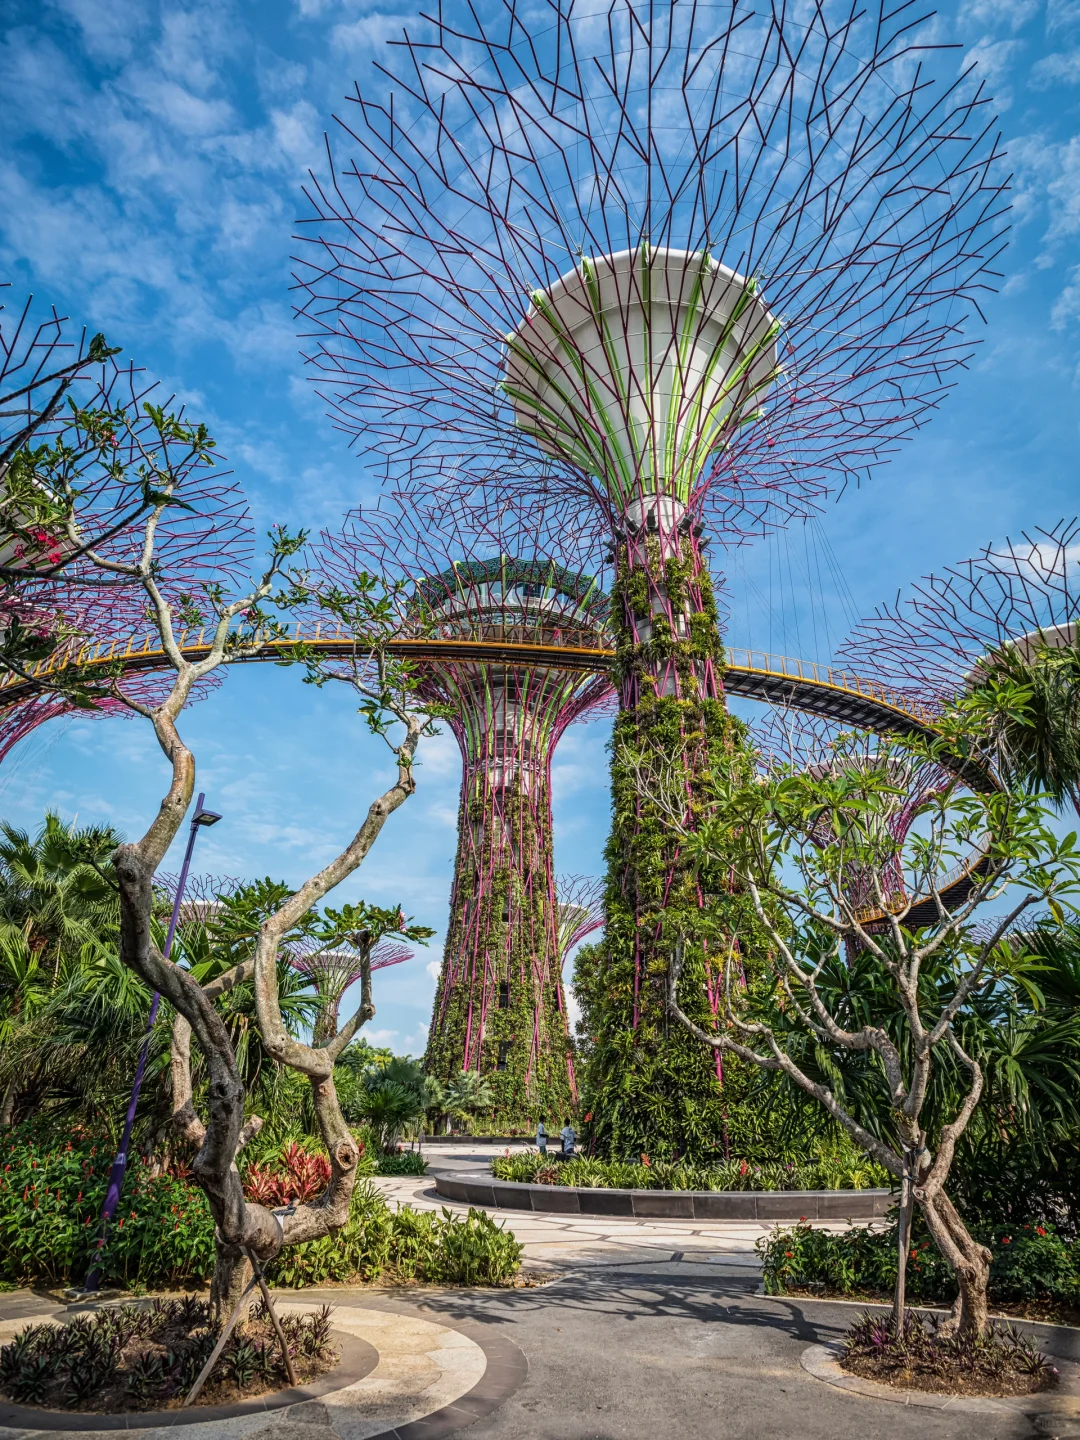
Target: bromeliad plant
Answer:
[[791, 841]]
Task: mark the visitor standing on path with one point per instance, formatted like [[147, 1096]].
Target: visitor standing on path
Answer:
[[541, 1138], [569, 1140]]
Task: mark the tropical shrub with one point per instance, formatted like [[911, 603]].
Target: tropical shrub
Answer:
[[1029, 1263], [51, 1201], [832, 1172], [403, 1244], [300, 1178], [139, 1358], [404, 1162], [50, 1204]]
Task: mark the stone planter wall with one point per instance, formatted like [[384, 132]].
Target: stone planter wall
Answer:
[[667, 1204]]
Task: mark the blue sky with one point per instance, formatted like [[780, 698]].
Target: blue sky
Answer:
[[151, 164]]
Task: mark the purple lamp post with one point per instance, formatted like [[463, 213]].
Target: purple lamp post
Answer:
[[119, 1166]]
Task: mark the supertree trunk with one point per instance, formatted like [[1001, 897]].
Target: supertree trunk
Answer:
[[500, 1008], [652, 1089]]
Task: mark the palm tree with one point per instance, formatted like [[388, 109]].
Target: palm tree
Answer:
[[58, 925], [468, 1093]]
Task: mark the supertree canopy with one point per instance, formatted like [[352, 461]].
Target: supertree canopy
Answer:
[[658, 268], [581, 910], [332, 969], [932, 638], [507, 634]]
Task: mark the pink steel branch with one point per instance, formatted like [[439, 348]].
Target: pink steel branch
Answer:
[[931, 637], [861, 193]]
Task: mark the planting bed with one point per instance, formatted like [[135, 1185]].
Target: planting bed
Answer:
[[133, 1359]]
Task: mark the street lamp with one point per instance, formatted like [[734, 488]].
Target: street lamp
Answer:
[[200, 819]]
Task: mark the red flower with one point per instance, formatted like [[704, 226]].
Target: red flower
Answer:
[[790, 1254], [645, 1159], [802, 1219], [588, 1117], [1006, 1239], [1039, 1230]]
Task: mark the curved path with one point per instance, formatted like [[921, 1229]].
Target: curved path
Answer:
[[753, 674]]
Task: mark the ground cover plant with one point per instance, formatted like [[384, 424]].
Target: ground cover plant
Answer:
[[147, 1357], [827, 1173], [51, 1199], [1034, 1270], [921, 1357]]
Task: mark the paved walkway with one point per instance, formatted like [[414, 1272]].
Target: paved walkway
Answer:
[[554, 1242], [653, 1329], [611, 1354]]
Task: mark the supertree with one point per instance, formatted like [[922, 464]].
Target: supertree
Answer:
[[332, 970], [580, 901], [656, 268], [506, 635], [23, 716], [791, 740], [932, 637]]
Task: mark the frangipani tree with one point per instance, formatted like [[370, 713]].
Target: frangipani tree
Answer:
[[792, 839], [189, 571]]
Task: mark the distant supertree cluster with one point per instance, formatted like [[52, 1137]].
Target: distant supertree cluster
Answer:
[[333, 968]]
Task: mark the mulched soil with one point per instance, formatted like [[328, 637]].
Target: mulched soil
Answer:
[[943, 1381], [115, 1398]]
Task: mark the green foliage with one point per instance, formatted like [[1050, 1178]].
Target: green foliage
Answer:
[[134, 1357], [402, 1162], [1026, 703], [830, 1172], [403, 1244], [649, 1086], [50, 1202], [51, 1198], [1030, 1262]]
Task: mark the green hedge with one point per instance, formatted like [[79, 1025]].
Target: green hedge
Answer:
[[163, 1234], [404, 1162], [1030, 1262], [826, 1173]]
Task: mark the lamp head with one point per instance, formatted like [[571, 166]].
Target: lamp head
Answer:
[[206, 817]]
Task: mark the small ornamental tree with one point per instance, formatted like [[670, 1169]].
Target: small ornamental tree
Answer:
[[186, 583], [792, 841]]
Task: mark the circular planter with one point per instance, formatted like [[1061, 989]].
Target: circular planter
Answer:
[[483, 1190], [823, 1363], [358, 1359]]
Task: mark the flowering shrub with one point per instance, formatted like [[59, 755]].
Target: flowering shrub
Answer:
[[50, 1206], [1029, 1263], [51, 1200]]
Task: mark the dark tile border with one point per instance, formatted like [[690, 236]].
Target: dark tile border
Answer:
[[504, 1374], [358, 1359], [478, 1189]]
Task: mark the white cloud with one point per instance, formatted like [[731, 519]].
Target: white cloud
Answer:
[[1057, 69], [1009, 15]]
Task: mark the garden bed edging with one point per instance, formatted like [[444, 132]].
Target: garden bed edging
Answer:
[[667, 1204]]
